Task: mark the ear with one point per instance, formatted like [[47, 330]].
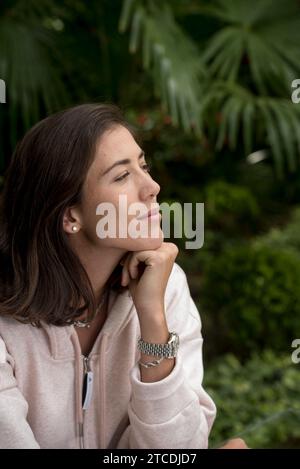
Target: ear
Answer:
[[71, 220]]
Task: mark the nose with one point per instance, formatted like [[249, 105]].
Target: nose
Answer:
[[149, 188]]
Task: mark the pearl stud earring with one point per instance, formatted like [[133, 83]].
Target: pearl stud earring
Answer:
[[74, 228]]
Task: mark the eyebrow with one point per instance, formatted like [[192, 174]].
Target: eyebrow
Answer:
[[125, 161]]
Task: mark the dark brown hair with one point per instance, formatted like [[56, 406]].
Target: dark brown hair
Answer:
[[41, 278]]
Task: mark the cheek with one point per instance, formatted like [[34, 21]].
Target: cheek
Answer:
[[90, 203], [111, 208], [99, 196]]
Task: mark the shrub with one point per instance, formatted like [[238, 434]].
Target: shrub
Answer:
[[287, 237], [257, 400], [230, 206], [251, 295]]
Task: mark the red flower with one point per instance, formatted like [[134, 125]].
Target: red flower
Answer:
[[142, 118], [167, 120], [219, 117]]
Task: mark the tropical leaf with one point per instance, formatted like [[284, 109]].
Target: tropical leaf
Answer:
[[243, 73], [242, 113], [266, 33], [27, 66], [170, 56]]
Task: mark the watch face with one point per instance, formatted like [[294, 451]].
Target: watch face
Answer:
[[175, 338], [174, 343]]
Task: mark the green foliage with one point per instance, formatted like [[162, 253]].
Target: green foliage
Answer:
[[254, 37], [229, 205], [257, 400], [29, 65], [286, 237], [153, 27], [251, 295], [239, 74], [275, 121], [230, 83]]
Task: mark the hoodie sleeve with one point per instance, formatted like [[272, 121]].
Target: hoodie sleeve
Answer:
[[175, 412], [15, 432]]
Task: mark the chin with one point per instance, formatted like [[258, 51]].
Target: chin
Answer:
[[144, 244]]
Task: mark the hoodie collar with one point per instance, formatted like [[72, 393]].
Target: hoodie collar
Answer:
[[120, 310]]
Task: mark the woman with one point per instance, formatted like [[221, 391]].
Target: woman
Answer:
[[74, 304]]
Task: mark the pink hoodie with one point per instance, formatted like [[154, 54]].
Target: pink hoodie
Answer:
[[41, 383]]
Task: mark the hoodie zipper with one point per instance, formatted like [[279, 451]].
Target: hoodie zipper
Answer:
[[87, 384], [83, 368], [87, 391]]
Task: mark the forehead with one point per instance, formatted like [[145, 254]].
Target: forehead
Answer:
[[115, 144]]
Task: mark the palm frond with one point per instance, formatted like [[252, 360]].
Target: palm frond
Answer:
[[224, 52], [170, 56], [240, 110], [266, 35], [26, 65]]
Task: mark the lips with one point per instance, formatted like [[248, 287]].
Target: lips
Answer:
[[153, 211]]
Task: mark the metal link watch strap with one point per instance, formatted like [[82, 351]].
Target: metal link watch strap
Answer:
[[168, 350]]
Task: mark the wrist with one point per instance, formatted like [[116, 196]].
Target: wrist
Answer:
[[155, 313], [154, 329], [162, 361], [151, 310]]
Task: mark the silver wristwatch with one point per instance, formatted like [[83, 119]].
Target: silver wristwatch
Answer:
[[168, 350]]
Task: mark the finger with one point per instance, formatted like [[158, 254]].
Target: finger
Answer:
[[236, 443], [174, 249], [125, 272], [146, 257], [124, 278], [133, 266]]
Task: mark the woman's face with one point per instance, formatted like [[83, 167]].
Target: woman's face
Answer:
[[131, 180]]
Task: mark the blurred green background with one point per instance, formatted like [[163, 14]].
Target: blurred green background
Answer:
[[208, 86]]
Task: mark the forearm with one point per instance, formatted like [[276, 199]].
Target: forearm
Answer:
[[155, 330]]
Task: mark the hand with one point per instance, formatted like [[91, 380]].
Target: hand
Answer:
[[236, 443], [147, 273]]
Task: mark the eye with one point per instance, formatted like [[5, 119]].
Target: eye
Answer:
[[146, 166], [122, 177]]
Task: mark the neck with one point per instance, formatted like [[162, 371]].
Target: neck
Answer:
[[98, 262]]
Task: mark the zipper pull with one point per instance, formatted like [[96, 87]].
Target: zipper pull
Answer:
[[87, 390]]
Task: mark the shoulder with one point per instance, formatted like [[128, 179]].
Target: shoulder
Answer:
[[179, 305], [178, 272], [177, 284], [6, 325], [16, 335], [178, 301], [11, 325]]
